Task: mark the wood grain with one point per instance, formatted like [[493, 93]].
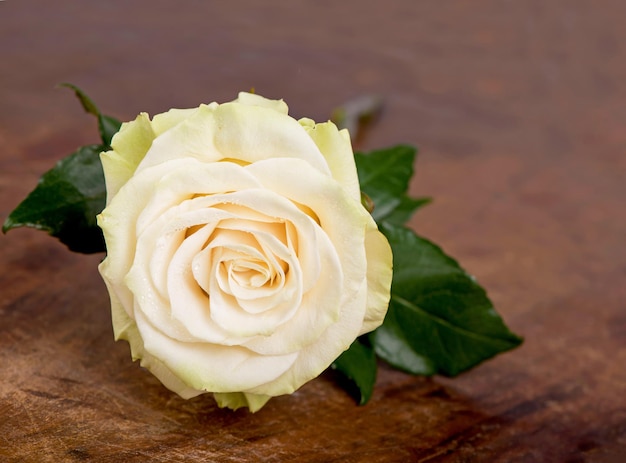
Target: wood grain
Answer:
[[519, 112]]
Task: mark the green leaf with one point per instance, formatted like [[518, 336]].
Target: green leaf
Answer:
[[405, 209], [66, 201], [107, 125], [439, 319], [392, 346], [384, 176], [358, 366]]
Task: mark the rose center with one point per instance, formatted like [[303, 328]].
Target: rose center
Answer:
[[249, 273]]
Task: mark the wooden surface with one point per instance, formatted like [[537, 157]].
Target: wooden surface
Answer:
[[519, 110]]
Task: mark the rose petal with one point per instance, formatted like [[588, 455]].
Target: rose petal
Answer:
[[165, 121], [130, 145], [252, 99], [230, 368], [235, 131], [379, 274], [341, 218], [335, 145]]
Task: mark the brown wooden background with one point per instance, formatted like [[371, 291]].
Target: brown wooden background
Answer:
[[519, 110]]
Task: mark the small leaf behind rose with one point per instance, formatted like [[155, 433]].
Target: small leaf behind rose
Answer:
[[439, 320], [107, 125], [66, 201], [358, 115], [384, 175], [358, 366]]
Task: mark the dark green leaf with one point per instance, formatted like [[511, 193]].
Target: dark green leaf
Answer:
[[107, 125], [384, 176], [66, 201], [437, 311], [358, 365], [395, 350], [405, 209]]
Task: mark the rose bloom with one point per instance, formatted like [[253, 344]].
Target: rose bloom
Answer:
[[240, 260]]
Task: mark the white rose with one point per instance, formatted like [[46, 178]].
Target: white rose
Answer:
[[240, 260]]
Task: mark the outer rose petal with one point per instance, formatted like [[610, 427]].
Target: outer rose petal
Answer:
[[236, 132], [379, 273], [125, 328], [252, 99], [130, 145], [336, 147], [165, 121]]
